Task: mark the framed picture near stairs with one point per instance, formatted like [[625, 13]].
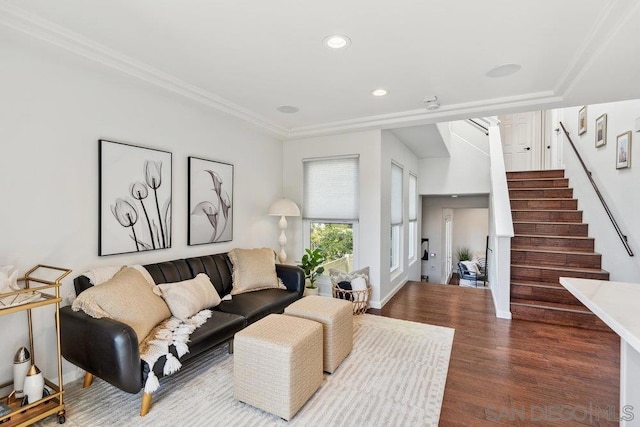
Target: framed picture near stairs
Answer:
[[601, 131], [582, 120], [623, 150]]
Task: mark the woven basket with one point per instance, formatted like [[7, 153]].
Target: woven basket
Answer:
[[359, 299]]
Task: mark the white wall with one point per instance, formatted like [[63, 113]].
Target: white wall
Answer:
[[432, 228], [619, 187], [54, 108], [470, 230], [368, 146], [395, 151], [376, 150], [465, 171]]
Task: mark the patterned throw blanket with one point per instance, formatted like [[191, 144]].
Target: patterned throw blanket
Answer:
[[170, 333]]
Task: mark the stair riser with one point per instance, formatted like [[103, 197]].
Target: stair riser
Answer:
[[535, 174], [539, 183], [557, 317], [547, 216], [536, 274], [559, 204], [591, 260], [537, 293], [579, 230], [543, 193], [566, 244]]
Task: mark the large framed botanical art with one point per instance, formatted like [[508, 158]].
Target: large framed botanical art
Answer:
[[623, 150], [135, 198], [210, 201]]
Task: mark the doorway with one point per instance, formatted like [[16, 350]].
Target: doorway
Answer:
[[522, 141]]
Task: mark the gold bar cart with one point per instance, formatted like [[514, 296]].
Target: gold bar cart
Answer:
[[43, 293]]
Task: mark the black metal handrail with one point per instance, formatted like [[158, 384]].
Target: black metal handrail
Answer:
[[622, 236], [479, 126]]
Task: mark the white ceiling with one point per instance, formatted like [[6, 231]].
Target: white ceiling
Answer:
[[249, 57]]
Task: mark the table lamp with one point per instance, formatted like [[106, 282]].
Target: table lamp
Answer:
[[283, 208]]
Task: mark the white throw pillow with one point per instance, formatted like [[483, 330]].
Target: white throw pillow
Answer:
[[471, 266], [359, 284], [188, 297]]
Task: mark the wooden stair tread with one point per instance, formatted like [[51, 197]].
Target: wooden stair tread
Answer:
[[547, 173], [549, 223], [545, 199], [552, 306], [546, 210], [563, 268], [568, 238], [547, 249], [552, 251], [549, 285]]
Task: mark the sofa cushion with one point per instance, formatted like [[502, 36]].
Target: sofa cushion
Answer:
[[253, 270], [128, 298], [255, 305], [188, 297], [218, 329], [218, 267]]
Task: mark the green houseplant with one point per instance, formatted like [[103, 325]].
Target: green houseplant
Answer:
[[464, 254], [311, 263]]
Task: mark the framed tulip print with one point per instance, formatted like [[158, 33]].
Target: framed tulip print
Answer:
[[210, 201], [135, 198]]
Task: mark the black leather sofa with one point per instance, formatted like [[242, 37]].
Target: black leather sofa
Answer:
[[109, 349]]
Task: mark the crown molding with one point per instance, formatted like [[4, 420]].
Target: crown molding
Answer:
[[21, 20], [421, 116], [611, 20]]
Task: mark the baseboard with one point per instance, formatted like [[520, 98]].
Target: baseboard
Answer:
[[380, 304]]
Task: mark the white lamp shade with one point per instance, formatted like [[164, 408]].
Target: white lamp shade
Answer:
[[284, 207]]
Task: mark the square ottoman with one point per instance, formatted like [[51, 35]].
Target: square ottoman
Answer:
[[336, 317], [277, 364]]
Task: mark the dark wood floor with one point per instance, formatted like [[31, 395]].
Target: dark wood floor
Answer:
[[514, 372]]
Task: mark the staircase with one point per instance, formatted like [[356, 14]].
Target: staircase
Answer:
[[550, 242]]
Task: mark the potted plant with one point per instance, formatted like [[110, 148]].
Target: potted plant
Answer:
[[311, 263], [464, 254]]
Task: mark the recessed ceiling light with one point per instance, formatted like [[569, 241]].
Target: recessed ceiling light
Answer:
[[337, 41], [431, 104], [504, 70], [288, 109], [454, 195], [380, 92]]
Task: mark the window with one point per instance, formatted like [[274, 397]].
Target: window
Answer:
[[331, 208], [396, 215], [413, 217]]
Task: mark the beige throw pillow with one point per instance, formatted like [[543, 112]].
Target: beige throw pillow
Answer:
[[128, 298], [253, 270], [188, 297]]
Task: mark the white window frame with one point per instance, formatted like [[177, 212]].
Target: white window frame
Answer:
[[306, 229], [397, 229], [412, 249], [306, 224]]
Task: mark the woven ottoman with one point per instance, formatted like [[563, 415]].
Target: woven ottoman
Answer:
[[277, 364], [336, 317]]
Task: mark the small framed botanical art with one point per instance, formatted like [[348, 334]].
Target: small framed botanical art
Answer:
[[210, 202], [135, 198], [623, 150], [601, 131], [582, 120]]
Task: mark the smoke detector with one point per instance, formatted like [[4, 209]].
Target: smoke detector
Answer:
[[431, 104]]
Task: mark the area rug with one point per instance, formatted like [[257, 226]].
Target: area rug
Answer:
[[394, 376]]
